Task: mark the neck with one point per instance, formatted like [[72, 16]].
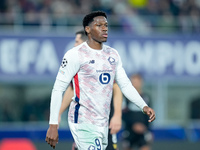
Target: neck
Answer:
[[95, 45]]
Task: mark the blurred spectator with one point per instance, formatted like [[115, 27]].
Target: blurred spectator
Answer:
[[3, 6], [139, 4], [167, 23], [137, 130], [36, 110], [140, 16], [189, 15], [7, 112], [195, 19], [195, 108]]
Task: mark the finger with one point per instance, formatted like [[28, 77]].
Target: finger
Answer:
[[46, 139], [153, 115], [57, 140], [150, 113], [152, 118], [50, 142], [111, 125], [111, 130], [114, 130], [53, 143]]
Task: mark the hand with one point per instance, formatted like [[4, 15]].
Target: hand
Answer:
[[115, 124], [52, 136], [150, 112]]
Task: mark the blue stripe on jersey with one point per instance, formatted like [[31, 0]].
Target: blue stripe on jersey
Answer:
[[77, 99], [76, 110]]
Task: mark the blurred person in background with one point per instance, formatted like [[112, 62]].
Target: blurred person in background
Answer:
[[93, 67], [116, 104], [194, 107], [137, 131]]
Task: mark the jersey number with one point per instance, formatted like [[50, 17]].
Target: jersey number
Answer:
[[98, 144], [104, 78]]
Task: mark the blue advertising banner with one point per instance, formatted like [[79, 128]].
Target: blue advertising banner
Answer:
[[25, 57]]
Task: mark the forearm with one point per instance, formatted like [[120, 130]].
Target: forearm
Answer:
[[67, 98], [56, 100], [127, 88], [117, 100], [131, 94]]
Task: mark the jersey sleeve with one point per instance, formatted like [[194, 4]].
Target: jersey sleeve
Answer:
[[69, 67], [126, 86]]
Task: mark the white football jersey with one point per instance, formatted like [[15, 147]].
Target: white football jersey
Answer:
[[93, 73]]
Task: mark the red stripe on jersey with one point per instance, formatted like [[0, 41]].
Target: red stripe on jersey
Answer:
[[77, 85]]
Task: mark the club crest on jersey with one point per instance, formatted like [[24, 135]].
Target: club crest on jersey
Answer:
[[111, 60], [64, 63]]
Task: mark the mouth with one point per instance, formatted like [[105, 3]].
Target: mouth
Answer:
[[105, 35]]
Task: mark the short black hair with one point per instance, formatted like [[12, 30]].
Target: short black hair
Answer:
[[83, 35], [89, 18]]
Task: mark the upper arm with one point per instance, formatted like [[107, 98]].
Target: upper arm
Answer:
[[69, 66], [121, 77]]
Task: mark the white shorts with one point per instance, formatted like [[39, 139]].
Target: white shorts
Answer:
[[89, 136]]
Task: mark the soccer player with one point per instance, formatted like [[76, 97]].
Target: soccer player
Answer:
[[93, 67], [80, 37], [137, 131], [116, 112]]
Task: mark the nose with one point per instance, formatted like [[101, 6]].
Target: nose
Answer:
[[105, 28]]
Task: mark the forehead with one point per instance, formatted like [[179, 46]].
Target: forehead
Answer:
[[100, 19], [78, 36]]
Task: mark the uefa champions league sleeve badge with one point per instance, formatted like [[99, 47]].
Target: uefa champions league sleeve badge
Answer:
[[64, 63]]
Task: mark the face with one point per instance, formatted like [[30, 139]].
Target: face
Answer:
[[98, 29], [78, 40], [137, 82]]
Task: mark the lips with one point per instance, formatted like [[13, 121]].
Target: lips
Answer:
[[105, 35]]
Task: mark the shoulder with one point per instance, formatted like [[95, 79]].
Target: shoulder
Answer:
[[111, 50], [76, 50]]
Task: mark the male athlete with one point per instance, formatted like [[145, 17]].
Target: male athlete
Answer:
[[93, 67], [116, 106]]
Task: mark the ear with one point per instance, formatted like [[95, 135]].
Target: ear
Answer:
[[87, 29]]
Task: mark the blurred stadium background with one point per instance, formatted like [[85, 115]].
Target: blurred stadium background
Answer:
[[158, 38]]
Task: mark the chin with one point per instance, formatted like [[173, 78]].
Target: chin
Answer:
[[104, 40]]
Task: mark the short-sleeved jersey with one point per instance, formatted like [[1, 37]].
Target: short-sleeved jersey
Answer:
[[93, 73]]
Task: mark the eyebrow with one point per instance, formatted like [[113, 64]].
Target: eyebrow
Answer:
[[102, 22]]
